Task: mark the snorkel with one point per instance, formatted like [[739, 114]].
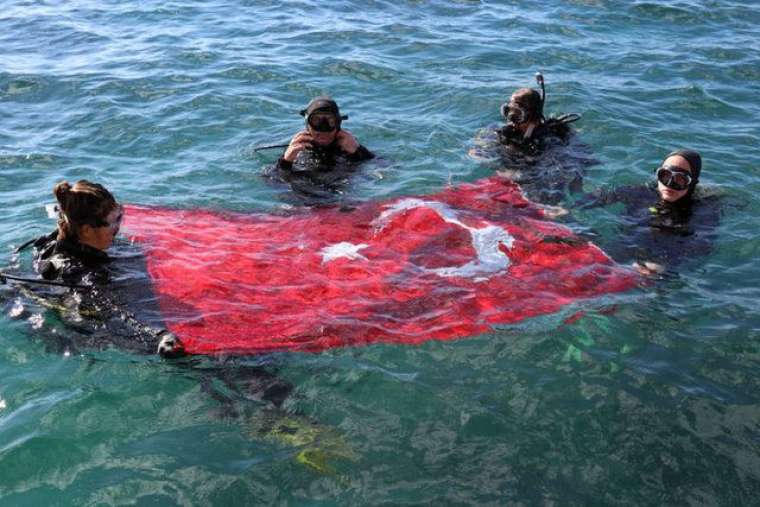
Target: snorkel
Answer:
[[540, 81]]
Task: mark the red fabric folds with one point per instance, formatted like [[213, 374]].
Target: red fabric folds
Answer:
[[405, 270]]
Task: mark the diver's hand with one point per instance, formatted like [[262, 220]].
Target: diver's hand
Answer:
[[515, 175], [553, 212], [170, 346], [347, 142], [301, 141], [648, 268]]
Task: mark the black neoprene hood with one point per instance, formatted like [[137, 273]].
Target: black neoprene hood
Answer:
[[321, 104], [695, 163]]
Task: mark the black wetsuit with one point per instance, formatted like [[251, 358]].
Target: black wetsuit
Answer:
[[510, 136], [548, 165], [321, 172], [653, 230], [113, 304]]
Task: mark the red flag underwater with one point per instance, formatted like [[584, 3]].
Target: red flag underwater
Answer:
[[404, 270]]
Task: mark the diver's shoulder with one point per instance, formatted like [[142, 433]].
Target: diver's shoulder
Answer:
[[559, 126], [70, 261], [362, 153], [709, 195]]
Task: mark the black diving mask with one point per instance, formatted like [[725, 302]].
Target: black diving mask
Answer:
[[321, 122], [674, 177], [514, 113]]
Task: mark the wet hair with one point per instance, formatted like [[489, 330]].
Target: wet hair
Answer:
[[530, 99], [84, 203], [695, 166]]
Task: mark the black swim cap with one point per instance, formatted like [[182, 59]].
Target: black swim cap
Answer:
[[322, 104], [695, 164]]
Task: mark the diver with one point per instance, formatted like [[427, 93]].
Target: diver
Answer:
[[527, 129], [535, 151], [75, 258], [101, 292], [665, 222], [320, 158]]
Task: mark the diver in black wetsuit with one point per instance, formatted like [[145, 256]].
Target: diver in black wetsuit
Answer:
[[108, 300], [75, 255], [104, 305], [666, 222], [321, 157], [527, 128], [525, 148]]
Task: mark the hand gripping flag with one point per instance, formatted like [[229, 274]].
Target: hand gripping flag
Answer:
[[405, 270]]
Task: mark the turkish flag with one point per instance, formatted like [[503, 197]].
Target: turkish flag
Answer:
[[404, 270]]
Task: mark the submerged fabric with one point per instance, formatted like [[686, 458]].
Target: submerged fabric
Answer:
[[405, 270]]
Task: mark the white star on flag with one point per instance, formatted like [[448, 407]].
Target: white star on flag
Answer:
[[343, 249]]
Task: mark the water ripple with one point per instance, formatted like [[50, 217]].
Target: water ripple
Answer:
[[163, 102]]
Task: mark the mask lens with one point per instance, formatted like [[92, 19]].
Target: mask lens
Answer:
[[674, 178], [323, 122], [516, 113], [114, 220]]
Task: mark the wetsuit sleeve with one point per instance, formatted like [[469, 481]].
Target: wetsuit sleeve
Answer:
[[41, 241], [698, 241], [629, 194], [509, 136], [123, 328], [486, 145], [360, 154], [557, 128], [283, 165]]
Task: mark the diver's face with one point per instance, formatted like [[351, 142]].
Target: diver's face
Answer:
[[323, 128], [96, 237], [517, 113], [101, 236], [669, 194]]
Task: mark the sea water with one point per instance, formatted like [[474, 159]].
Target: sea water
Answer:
[[656, 402]]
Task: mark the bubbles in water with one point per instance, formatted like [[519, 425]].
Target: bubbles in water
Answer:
[[36, 321], [17, 309]]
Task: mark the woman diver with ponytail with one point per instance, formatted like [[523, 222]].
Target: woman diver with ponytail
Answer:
[[106, 300], [75, 257], [89, 219]]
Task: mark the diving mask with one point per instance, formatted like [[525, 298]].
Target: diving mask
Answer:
[[674, 177], [514, 113], [322, 122]]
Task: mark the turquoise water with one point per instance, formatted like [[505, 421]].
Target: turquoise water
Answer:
[[656, 403]]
